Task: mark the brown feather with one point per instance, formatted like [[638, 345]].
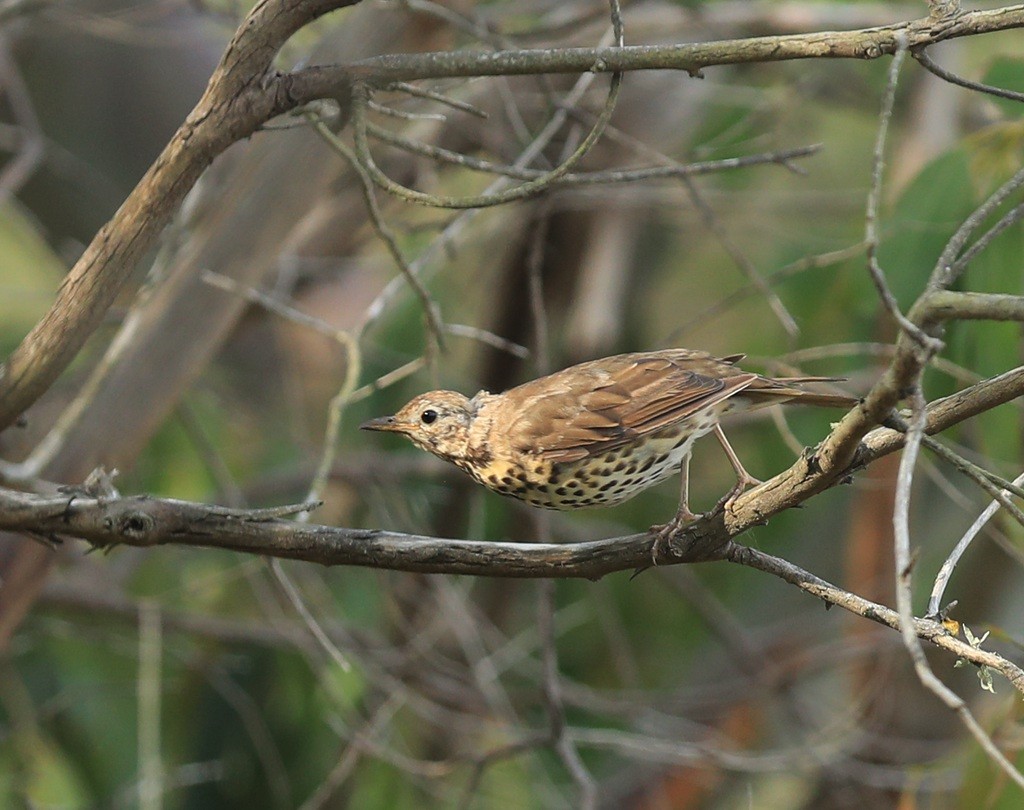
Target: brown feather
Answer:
[[569, 416]]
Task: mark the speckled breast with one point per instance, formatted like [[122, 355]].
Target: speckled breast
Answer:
[[617, 476], [604, 479]]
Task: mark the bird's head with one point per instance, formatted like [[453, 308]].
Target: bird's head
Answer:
[[437, 422]]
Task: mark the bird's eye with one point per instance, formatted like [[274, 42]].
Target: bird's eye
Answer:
[[428, 416]]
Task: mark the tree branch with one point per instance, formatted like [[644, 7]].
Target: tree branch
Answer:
[[244, 93], [145, 522], [238, 99], [924, 629], [316, 82]]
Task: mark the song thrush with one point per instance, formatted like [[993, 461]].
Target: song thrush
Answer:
[[597, 433]]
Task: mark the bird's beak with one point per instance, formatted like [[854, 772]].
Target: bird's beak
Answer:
[[386, 424]]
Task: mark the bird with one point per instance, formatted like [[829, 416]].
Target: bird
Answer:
[[598, 433]]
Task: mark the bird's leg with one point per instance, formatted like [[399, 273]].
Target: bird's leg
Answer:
[[744, 480], [683, 516]]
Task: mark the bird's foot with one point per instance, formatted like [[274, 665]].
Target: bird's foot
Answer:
[[743, 483], [663, 532]]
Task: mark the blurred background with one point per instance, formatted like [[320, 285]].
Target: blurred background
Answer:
[[187, 678]]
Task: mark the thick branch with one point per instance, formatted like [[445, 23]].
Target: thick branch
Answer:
[[866, 43], [946, 305], [236, 102], [812, 474], [944, 413], [243, 94], [143, 521]]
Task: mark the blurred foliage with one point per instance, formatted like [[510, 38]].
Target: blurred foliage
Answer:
[[253, 714], [29, 274]]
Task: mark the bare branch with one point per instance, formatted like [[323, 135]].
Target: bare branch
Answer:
[[925, 629], [866, 43], [946, 571], [243, 95], [420, 92], [431, 310], [932, 67], [527, 189], [782, 157], [874, 197], [235, 103], [904, 603], [948, 268], [145, 522]]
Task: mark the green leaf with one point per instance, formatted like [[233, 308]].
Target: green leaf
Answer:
[[1006, 73], [921, 222]]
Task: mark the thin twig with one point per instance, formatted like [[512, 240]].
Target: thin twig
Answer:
[[487, 338], [1009, 218], [925, 629], [404, 115], [816, 262], [947, 268], [874, 199], [628, 174], [360, 95], [430, 308], [904, 606], [527, 189], [562, 742], [740, 259], [946, 571], [921, 55], [454, 103], [292, 592], [464, 218], [349, 758], [385, 380], [994, 485], [274, 304]]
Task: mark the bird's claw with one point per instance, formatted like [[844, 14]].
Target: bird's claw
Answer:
[[664, 532], [742, 485]]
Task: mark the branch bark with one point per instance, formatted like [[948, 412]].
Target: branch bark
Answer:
[[239, 98], [244, 93], [145, 521], [865, 43]]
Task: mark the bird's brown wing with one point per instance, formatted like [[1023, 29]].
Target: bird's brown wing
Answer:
[[590, 409]]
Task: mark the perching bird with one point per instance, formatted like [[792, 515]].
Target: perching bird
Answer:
[[597, 433]]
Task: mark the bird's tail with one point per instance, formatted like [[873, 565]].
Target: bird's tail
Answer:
[[823, 400], [785, 389]]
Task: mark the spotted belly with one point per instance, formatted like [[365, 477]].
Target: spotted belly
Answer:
[[604, 479], [617, 476]]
